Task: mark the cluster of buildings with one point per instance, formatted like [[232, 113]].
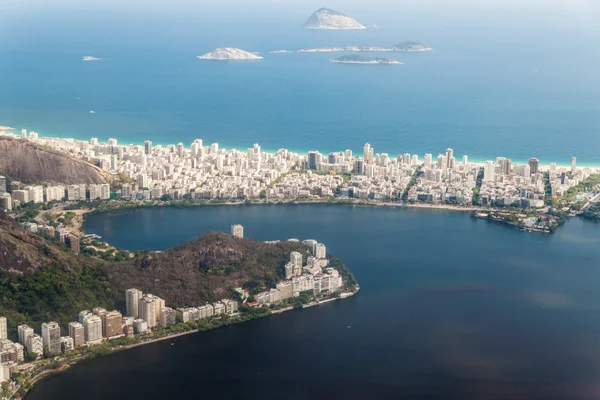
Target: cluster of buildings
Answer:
[[21, 194], [210, 172], [60, 234], [313, 276], [144, 311]]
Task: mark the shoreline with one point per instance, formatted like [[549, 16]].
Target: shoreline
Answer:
[[473, 160], [47, 373]]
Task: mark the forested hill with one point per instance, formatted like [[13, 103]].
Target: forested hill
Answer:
[[41, 280]]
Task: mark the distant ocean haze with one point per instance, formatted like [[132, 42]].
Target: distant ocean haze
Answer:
[[494, 86]]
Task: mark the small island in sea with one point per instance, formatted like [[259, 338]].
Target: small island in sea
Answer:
[[407, 47], [229, 53], [358, 59], [90, 58], [326, 18]]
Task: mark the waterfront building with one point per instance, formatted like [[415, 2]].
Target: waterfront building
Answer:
[[132, 299], [51, 337], [35, 344], [573, 164], [140, 325], [148, 147], [320, 251], [112, 326], [219, 308], [77, 333], [168, 317], [237, 231], [24, 332], [105, 191], [231, 306], [302, 284], [3, 328], [66, 344], [149, 309], [92, 329]]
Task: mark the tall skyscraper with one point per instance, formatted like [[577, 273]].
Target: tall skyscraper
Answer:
[[320, 251], [92, 329], [3, 328], [534, 165], [489, 172], [77, 333], [51, 337], [180, 150], [449, 158], [24, 333], [132, 299], [148, 147], [237, 231], [573, 164], [367, 152]]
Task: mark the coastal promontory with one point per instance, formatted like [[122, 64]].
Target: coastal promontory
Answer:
[[229, 53], [326, 18]]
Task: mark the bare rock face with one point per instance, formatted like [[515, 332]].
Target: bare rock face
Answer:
[[25, 161], [326, 18], [229, 53]]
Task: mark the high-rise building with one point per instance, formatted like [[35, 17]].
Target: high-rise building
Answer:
[[24, 332], [2, 184], [132, 299], [296, 261], [359, 167], [489, 171], [449, 157], [105, 191], [51, 337], [35, 344], [92, 329], [66, 344], [148, 147], [73, 242], [573, 164], [534, 165], [168, 317], [314, 159], [77, 333], [367, 153], [146, 310], [3, 328], [320, 251], [112, 325], [180, 150], [5, 202], [237, 231]]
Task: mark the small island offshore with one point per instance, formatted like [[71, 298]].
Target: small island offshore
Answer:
[[406, 47], [358, 59], [229, 53], [209, 282], [328, 19]]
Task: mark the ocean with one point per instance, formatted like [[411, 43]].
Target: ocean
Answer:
[[505, 79], [450, 307]]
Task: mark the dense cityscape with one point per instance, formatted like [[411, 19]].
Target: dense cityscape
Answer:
[[155, 173], [307, 279]]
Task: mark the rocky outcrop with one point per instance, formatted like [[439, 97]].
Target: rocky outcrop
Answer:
[[326, 18], [229, 53], [26, 161]]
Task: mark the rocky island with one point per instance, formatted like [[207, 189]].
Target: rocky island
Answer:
[[326, 18], [229, 53], [407, 47], [358, 59]]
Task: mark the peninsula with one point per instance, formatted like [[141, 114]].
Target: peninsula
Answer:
[[229, 53], [209, 282], [328, 19], [358, 59], [406, 47]]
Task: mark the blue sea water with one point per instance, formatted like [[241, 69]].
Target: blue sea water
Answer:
[[505, 79]]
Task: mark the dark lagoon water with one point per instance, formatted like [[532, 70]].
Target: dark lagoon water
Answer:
[[450, 308]]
